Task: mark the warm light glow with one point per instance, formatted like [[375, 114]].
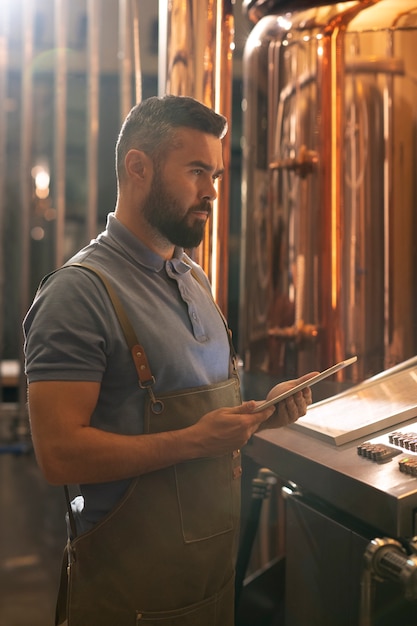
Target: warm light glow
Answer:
[[42, 179], [40, 174], [37, 233], [335, 174], [284, 23]]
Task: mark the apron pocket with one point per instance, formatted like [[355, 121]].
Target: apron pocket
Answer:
[[204, 491], [198, 615], [214, 611]]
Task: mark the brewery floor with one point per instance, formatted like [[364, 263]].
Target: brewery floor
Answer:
[[31, 541]]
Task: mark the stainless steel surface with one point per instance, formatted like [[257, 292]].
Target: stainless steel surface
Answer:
[[327, 569], [93, 114], [328, 242], [4, 27], [25, 182], [136, 52], [256, 9], [60, 128], [196, 60], [125, 57], [377, 494]]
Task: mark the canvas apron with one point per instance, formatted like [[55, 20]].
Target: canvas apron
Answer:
[[165, 554]]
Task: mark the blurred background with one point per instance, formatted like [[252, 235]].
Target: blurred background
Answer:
[[69, 73], [311, 250]]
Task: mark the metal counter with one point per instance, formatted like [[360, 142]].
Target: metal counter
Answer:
[[377, 494]]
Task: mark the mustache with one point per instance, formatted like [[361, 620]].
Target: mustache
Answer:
[[204, 205]]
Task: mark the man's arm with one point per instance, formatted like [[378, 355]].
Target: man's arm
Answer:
[[70, 450]]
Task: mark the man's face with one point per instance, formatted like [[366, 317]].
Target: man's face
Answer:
[[180, 199]]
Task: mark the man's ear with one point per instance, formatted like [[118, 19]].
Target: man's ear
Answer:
[[138, 164]]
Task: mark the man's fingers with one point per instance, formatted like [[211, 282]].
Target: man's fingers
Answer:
[[296, 405], [260, 416], [307, 395]]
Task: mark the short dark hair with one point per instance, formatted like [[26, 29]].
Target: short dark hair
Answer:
[[151, 125]]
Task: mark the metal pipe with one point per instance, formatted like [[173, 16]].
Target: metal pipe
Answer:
[[4, 34], [197, 61], [25, 182], [93, 117], [125, 60], [162, 46], [386, 559], [365, 607], [60, 28], [136, 51], [219, 269]]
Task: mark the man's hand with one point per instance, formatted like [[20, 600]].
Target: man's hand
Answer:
[[293, 407], [227, 429]]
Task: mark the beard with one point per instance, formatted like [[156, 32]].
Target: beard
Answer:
[[165, 214]]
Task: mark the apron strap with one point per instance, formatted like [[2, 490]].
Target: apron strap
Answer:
[[146, 379]]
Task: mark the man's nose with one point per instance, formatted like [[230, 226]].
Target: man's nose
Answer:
[[209, 191]]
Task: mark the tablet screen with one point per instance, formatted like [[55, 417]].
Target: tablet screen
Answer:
[[308, 383]]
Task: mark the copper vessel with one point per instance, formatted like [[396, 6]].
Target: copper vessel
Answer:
[[196, 48], [329, 189]]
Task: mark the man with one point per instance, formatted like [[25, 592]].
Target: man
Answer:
[[151, 429]]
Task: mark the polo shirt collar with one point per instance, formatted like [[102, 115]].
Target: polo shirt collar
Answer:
[[118, 232]]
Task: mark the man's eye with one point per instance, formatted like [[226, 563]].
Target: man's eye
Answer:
[[197, 172]]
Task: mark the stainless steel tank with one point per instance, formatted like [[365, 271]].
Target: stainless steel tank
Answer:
[[329, 191]]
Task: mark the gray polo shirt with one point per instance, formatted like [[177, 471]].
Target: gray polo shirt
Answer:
[[72, 333]]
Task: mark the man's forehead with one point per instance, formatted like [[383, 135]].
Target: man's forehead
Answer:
[[184, 136], [197, 146]]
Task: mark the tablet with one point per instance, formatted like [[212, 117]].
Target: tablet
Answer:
[[308, 383]]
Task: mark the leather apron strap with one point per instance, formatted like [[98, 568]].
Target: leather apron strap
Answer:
[[146, 379]]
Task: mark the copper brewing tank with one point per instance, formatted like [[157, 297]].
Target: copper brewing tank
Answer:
[[329, 252], [195, 59]]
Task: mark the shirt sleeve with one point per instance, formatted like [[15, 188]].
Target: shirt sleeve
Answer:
[[67, 329]]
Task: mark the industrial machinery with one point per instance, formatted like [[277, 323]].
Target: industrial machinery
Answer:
[[329, 262], [348, 470], [328, 192]]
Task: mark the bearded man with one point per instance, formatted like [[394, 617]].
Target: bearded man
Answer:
[[134, 394]]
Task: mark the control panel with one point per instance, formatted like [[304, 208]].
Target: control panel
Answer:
[[384, 448]]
